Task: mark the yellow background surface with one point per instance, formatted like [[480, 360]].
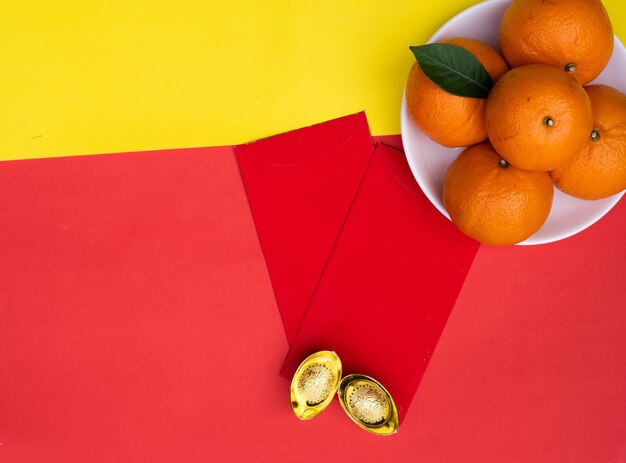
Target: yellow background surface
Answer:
[[98, 76]]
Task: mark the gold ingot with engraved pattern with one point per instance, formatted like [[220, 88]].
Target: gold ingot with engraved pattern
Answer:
[[314, 384], [364, 399], [368, 404]]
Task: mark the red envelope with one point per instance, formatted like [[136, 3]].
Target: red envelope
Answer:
[[390, 284], [300, 186]]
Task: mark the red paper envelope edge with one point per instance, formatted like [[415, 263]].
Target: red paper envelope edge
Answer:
[[300, 186], [390, 283]]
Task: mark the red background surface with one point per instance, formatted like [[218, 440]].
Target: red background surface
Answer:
[[107, 363]]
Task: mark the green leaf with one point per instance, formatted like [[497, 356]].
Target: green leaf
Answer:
[[454, 69]]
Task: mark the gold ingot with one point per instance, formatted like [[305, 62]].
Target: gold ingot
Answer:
[[363, 398], [314, 384], [368, 404]]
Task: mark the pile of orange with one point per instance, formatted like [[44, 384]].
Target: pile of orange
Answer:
[[538, 127]]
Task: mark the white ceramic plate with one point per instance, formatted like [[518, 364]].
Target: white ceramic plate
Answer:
[[429, 160]]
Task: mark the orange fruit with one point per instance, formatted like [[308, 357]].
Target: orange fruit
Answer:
[[599, 170], [538, 117], [448, 119], [493, 201], [574, 35]]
